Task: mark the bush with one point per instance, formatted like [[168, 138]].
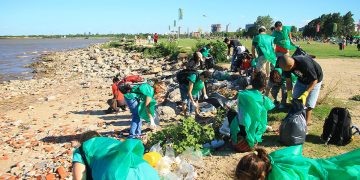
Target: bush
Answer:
[[218, 51], [189, 133], [161, 50]]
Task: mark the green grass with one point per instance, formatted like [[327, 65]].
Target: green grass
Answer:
[[313, 147], [320, 50]]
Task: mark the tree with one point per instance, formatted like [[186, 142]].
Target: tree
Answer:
[[348, 26], [266, 21], [294, 29]]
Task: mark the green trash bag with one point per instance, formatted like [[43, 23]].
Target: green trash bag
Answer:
[[113, 159], [265, 44], [289, 164]]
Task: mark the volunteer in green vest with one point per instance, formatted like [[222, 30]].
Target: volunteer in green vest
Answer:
[[264, 45], [282, 39], [108, 158], [190, 93], [276, 83], [289, 164], [206, 57], [247, 129], [141, 102]]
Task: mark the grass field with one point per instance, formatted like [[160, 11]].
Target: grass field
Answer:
[[320, 50]]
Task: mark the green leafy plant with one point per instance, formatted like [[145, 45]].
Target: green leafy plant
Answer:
[[356, 98], [189, 133], [218, 121]]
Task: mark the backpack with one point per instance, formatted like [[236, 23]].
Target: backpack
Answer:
[[337, 127], [182, 76], [293, 127]]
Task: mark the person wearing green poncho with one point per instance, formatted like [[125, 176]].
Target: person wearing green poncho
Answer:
[[247, 129], [141, 102], [276, 83], [289, 164], [108, 158], [282, 39], [264, 45]]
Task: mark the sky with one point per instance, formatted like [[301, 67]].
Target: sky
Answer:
[[47, 17]]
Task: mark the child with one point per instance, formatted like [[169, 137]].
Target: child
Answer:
[[276, 83], [247, 129], [288, 163]]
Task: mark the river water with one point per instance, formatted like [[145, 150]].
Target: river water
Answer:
[[15, 54]]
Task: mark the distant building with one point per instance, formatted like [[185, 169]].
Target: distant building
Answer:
[[248, 26], [195, 34], [215, 28], [239, 29]]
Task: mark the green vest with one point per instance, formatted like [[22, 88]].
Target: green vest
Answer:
[[282, 38], [141, 92], [265, 45]]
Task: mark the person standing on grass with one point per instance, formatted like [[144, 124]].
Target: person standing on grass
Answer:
[[282, 39], [264, 45], [156, 38], [308, 84]]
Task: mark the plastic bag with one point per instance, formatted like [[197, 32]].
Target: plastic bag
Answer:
[[215, 143], [293, 127], [206, 107], [192, 156], [289, 164], [225, 127]]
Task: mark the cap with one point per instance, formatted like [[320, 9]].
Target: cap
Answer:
[[262, 27]]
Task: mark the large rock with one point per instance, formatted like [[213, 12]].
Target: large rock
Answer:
[[175, 96], [166, 112]]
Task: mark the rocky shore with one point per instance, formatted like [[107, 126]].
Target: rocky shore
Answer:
[[42, 117]]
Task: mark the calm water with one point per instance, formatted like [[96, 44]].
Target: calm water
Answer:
[[17, 53]]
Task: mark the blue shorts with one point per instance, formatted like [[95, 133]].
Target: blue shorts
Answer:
[[300, 88]]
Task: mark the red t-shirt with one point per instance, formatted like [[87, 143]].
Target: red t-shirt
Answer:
[[115, 90], [281, 49]]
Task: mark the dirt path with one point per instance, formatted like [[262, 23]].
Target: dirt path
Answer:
[[38, 131]]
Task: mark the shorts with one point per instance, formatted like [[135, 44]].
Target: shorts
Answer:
[[300, 88], [264, 66]]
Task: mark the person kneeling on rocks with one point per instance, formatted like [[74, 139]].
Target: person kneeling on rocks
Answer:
[[118, 100], [108, 158], [141, 102], [191, 85], [250, 123]]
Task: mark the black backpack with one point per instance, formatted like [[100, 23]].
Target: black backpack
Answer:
[[182, 76], [337, 127]]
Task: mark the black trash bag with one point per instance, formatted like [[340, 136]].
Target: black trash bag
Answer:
[[217, 100], [293, 128]]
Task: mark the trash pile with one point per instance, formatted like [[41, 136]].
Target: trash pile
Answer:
[[171, 167]]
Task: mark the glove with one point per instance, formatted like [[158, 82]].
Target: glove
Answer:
[[289, 97], [303, 97], [194, 104], [152, 123], [205, 96], [227, 57]]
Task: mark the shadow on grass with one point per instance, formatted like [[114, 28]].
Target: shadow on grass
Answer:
[[314, 139], [270, 140]]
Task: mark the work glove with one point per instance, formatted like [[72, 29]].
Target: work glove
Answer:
[[152, 123], [303, 97], [194, 104], [289, 97], [205, 96], [227, 57]]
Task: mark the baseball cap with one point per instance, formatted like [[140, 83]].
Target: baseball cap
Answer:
[[262, 27]]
